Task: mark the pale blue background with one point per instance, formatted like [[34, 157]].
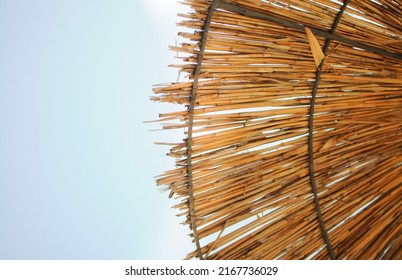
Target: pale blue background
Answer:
[[76, 160]]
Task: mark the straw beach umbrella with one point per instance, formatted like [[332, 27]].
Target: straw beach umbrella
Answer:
[[292, 115]]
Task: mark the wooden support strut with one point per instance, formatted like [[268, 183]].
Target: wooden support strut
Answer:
[[189, 141], [310, 134], [288, 23]]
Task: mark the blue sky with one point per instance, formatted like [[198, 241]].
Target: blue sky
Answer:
[[77, 163]]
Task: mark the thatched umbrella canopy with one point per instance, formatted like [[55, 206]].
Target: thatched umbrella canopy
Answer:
[[293, 122]]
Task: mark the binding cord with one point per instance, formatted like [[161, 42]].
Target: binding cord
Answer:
[[310, 134], [189, 141]]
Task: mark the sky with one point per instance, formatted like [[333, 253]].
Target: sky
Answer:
[[77, 161]]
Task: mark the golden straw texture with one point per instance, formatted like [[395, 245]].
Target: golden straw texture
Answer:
[[250, 188]]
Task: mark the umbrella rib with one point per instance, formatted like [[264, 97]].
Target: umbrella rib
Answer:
[[189, 141], [292, 24], [310, 134]]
